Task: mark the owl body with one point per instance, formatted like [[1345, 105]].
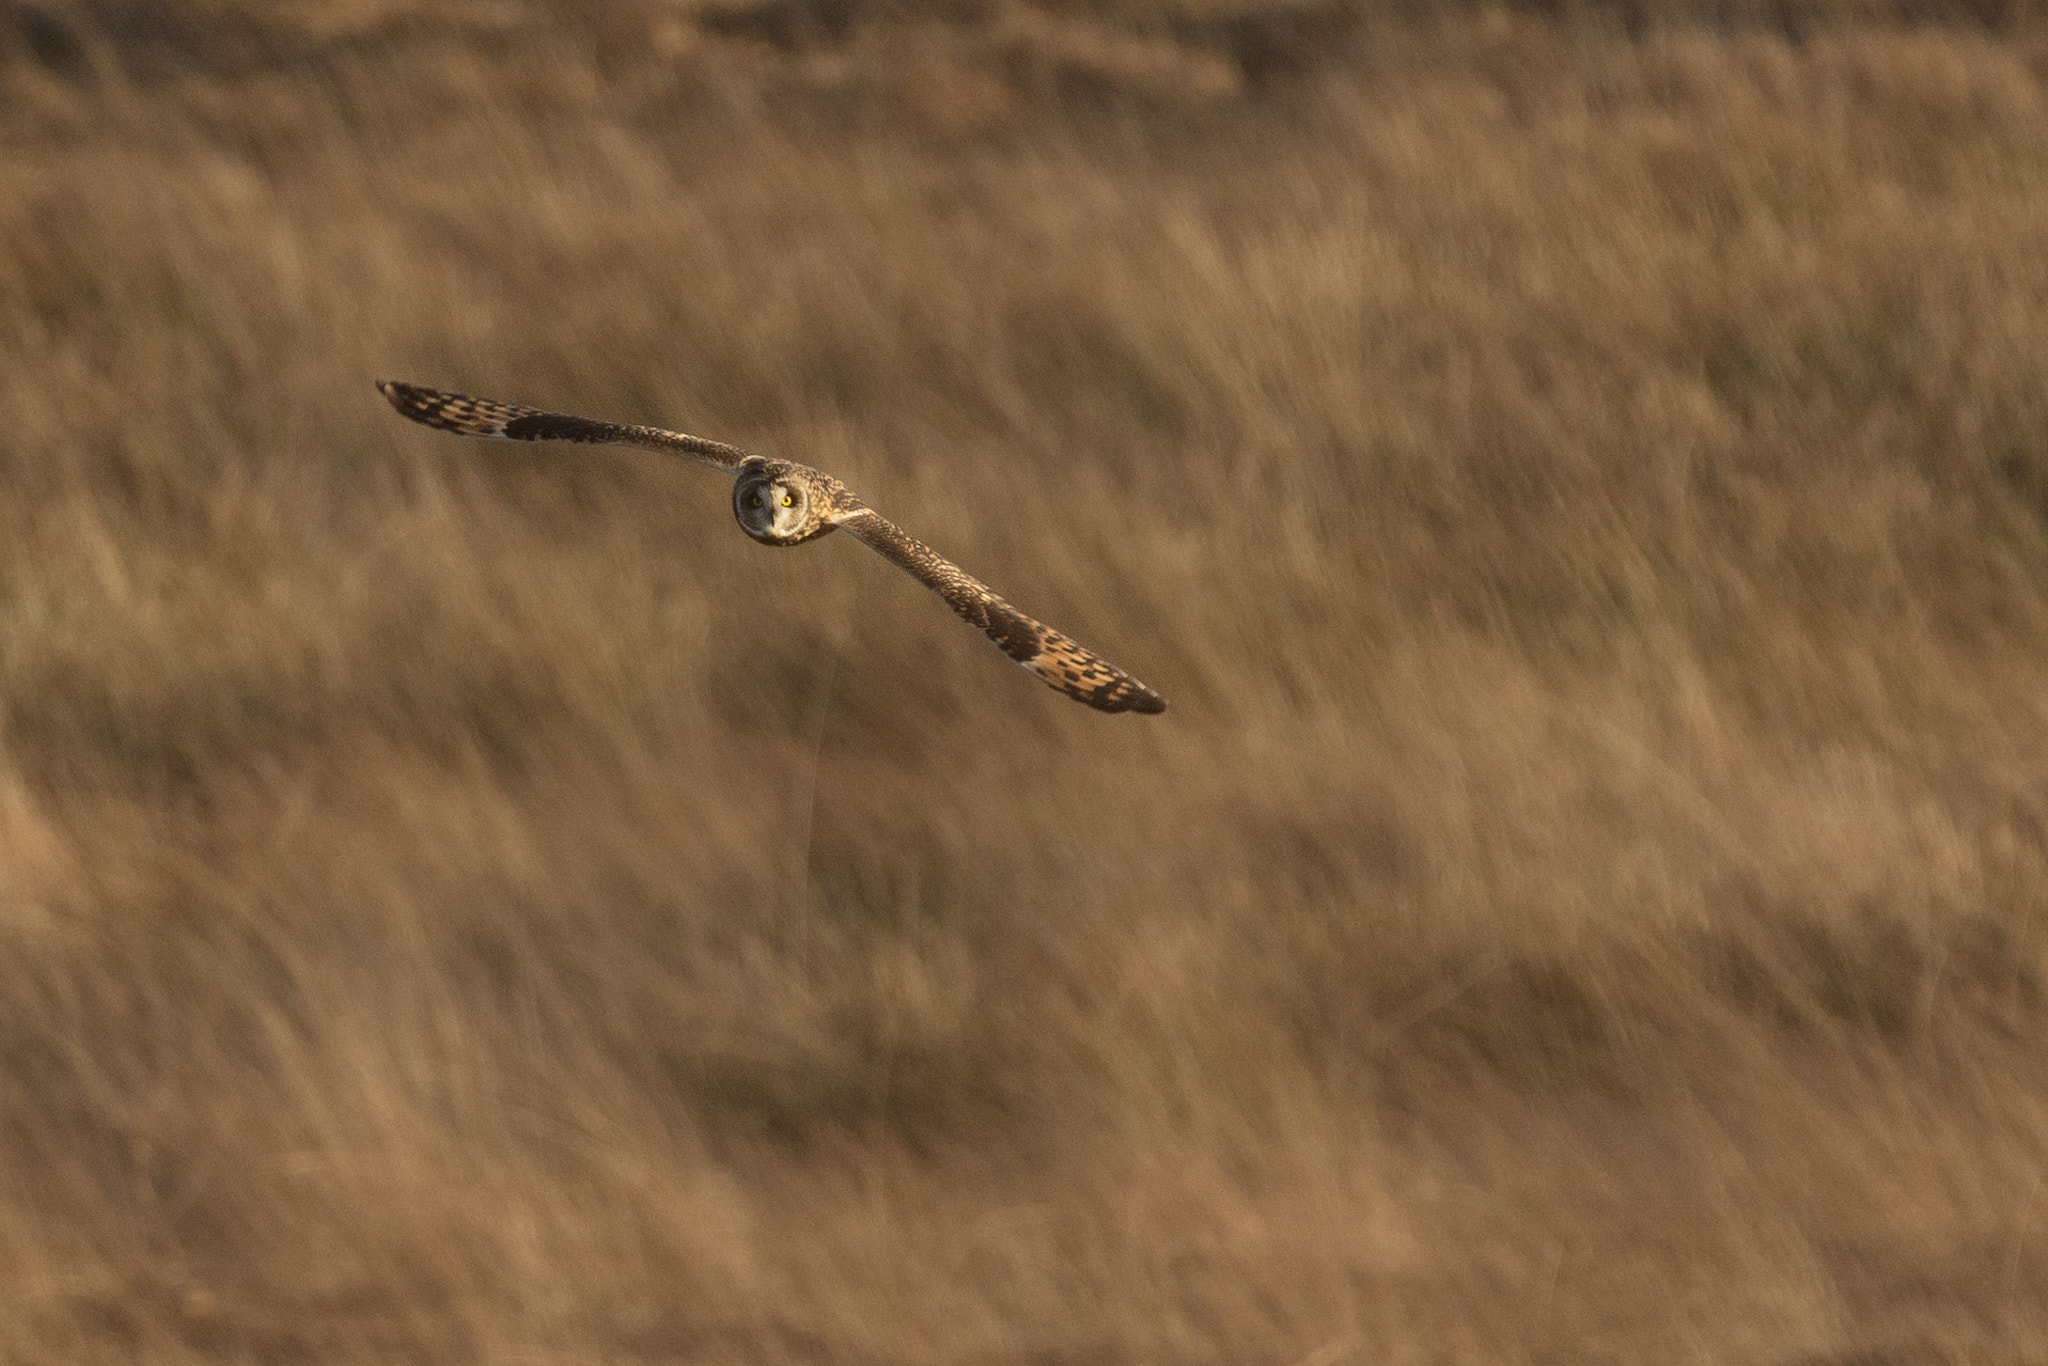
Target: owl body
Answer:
[[782, 503]]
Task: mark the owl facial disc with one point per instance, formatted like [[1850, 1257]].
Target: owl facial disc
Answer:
[[773, 508]]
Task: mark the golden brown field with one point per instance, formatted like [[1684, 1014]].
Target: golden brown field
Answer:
[[1580, 478]]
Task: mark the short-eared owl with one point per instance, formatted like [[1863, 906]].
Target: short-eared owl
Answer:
[[779, 502]]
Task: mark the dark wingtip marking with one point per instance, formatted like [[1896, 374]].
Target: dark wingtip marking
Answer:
[[409, 399], [1113, 698], [548, 427]]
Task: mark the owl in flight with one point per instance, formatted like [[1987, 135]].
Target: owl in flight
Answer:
[[779, 502]]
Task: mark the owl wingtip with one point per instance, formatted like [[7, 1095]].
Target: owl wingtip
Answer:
[[1117, 700]]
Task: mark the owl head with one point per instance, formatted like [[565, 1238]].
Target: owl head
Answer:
[[780, 503]]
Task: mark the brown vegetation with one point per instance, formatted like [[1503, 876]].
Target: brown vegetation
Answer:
[[1580, 477]]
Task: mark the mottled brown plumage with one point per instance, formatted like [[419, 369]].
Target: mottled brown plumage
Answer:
[[779, 502], [512, 422], [1072, 668]]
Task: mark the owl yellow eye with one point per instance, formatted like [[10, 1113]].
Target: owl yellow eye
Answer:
[[753, 500], [789, 500]]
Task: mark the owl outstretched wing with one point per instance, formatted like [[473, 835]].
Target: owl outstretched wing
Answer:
[[513, 422], [1064, 664]]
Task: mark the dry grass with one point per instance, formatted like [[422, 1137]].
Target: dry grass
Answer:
[[1580, 479]]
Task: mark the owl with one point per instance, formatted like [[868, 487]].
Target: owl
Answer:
[[781, 503]]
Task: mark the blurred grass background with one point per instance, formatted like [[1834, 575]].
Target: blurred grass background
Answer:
[[1578, 471]]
